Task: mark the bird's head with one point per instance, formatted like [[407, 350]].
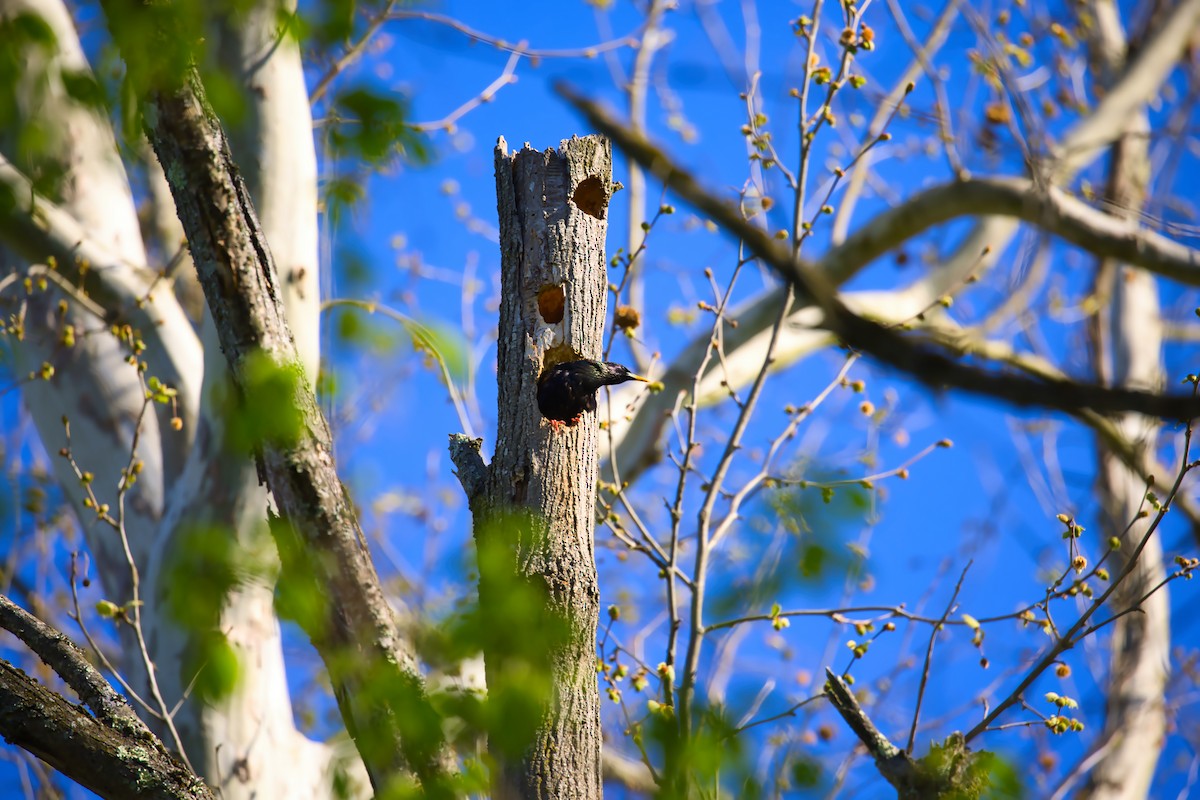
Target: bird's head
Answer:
[[611, 373]]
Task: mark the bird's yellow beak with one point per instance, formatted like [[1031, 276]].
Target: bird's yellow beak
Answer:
[[633, 377]]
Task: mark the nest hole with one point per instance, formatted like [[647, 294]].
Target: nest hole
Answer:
[[559, 354], [591, 198], [552, 301]]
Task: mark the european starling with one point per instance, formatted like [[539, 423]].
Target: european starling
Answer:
[[567, 390]]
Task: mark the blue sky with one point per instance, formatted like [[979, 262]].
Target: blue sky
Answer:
[[972, 503]]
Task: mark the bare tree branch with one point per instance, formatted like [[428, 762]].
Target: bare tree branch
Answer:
[[60, 654], [922, 363], [114, 754], [99, 757], [894, 764], [1049, 208]]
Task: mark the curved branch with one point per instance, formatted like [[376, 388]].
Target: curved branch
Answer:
[[109, 753], [1050, 209], [522, 48], [40, 230], [1054, 211], [883, 343]]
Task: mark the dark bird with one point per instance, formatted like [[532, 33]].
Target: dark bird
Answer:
[[567, 390]]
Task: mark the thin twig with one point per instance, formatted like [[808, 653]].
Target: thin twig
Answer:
[[521, 49], [77, 615], [1073, 634], [912, 731], [130, 611], [353, 51], [507, 77], [424, 338]]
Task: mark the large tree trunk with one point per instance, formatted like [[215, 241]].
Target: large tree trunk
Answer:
[[93, 387], [534, 507], [375, 679], [245, 743], [1139, 649]]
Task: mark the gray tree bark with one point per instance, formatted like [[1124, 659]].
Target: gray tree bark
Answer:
[[321, 544], [110, 750], [534, 507], [247, 742]]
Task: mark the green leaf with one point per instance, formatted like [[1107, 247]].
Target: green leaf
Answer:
[[443, 342], [951, 769], [295, 596], [107, 609], [341, 195], [362, 330], [227, 96], [268, 410], [213, 664], [207, 561], [374, 126], [29, 29], [333, 21], [814, 559], [806, 773], [82, 87], [26, 85], [445, 346]]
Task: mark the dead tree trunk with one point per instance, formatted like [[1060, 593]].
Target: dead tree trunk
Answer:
[[534, 507]]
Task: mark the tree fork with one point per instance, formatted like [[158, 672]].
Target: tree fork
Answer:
[[534, 507]]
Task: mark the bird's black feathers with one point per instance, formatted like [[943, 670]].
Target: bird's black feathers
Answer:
[[567, 390]]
